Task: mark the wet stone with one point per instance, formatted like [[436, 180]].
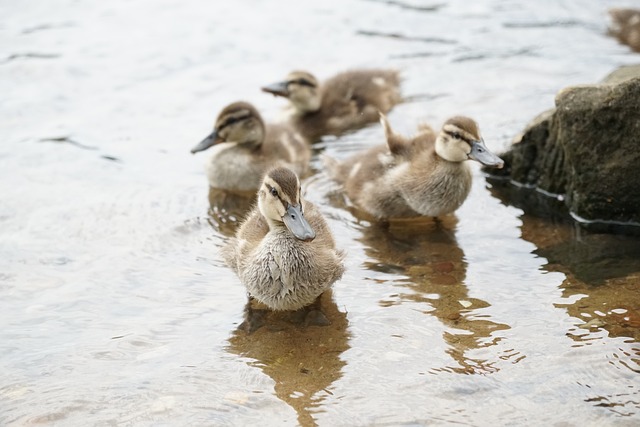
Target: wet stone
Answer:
[[583, 152]]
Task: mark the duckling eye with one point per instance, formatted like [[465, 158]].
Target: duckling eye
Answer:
[[274, 192], [456, 135]]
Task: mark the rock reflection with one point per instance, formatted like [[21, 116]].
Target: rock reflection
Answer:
[[303, 362], [595, 258], [428, 253], [602, 271], [614, 307], [228, 208]]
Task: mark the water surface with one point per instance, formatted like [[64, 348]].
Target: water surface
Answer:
[[116, 307]]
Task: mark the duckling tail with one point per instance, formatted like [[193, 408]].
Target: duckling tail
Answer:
[[385, 125], [425, 129], [397, 143]]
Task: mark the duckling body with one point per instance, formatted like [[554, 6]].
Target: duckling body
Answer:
[[244, 148], [425, 175], [284, 252], [347, 101], [626, 26]]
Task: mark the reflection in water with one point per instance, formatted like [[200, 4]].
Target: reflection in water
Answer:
[[427, 252], [94, 249], [602, 271], [227, 209], [303, 362], [602, 284], [601, 288], [595, 258]]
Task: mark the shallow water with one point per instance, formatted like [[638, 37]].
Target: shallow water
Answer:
[[116, 307]]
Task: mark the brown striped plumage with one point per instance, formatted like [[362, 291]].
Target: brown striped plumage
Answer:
[[420, 176], [282, 267], [347, 101], [244, 148]]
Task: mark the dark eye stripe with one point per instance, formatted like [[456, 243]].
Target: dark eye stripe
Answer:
[[457, 135], [232, 120], [302, 82], [271, 192]]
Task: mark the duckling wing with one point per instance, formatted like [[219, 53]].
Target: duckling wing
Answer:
[[351, 100], [254, 227], [328, 260], [247, 238], [363, 91], [374, 180]]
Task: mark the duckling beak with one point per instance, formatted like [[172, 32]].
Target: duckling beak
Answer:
[[296, 223], [206, 143], [277, 89], [480, 152]]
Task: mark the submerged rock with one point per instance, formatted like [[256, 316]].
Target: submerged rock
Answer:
[[586, 152]]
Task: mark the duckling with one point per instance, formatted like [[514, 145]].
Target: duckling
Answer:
[[245, 148], [626, 26], [284, 252], [425, 175], [347, 101]]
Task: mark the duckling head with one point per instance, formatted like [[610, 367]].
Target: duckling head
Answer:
[[460, 140], [239, 122], [280, 201], [301, 88]]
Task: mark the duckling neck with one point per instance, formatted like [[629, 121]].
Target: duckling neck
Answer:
[[275, 225], [250, 146], [308, 106], [448, 154], [252, 139]]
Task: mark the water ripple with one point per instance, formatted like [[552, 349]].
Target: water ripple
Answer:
[[398, 36]]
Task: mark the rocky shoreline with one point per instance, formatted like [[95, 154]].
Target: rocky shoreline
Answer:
[[583, 156]]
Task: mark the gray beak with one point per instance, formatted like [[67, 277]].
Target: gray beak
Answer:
[[481, 153], [296, 223], [277, 89], [205, 143]]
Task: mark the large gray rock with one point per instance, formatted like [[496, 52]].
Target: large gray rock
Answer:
[[586, 152]]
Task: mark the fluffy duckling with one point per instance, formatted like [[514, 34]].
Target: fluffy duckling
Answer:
[[425, 175], [344, 102], [626, 26], [284, 252], [244, 148]]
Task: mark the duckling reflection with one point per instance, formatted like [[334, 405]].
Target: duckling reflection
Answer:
[[303, 362], [227, 209], [428, 253]]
